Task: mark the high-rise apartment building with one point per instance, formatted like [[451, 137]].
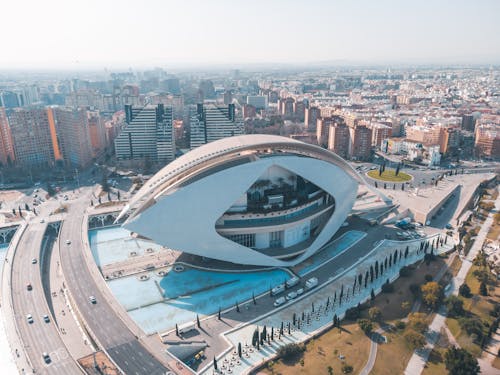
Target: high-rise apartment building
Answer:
[[34, 137], [338, 139], [379, 133], [299, 109], [468, 122], [360, 144], [258, 101], [148, 133], [311, 116], [74, 136], [97, 131], [6, 145], [487, 143], [212, 122]]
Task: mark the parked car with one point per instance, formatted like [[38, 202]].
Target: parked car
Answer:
[[278, 289], [280, 301], [300, 291], [46, 357], [292, 282], [291, 295]]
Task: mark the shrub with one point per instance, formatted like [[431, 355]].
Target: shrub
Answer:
[[289, 351], [347, 369], [400, 324], [455, 306], [483, 290], [366, 325], [464, 291], [460, 361], [418, 322], [374, 314], [432, 294], [415, 340], [472, 326]]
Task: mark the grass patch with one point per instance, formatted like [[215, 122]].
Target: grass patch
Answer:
[[389, 175], [478, 307], [392, 357], [435, 365], [325, 350]]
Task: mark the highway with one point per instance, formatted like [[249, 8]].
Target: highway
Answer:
[[111, 333], [39, 336]]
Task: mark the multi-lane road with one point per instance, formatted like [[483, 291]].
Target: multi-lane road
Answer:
[[38, 337], [111, 333]]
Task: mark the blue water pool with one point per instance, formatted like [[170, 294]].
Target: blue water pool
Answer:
[[114, 244], [159, 303]]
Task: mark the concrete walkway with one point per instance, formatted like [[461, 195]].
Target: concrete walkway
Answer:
[[419, 358]]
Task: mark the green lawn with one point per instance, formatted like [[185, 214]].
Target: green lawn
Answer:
[[389, 175]]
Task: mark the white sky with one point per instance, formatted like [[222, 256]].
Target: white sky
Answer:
[[99, 33]]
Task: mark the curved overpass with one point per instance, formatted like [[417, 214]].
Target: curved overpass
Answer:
[[111, 333]]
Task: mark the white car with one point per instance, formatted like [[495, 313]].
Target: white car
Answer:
[[33, 261], [291, 295], [68, 242], [29, 318], [300, 291], [92, 300], [46, 318], [280, 301]]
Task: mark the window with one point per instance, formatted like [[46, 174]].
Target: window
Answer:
[[247, 240]]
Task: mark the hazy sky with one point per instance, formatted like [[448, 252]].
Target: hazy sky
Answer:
[[123, 33]]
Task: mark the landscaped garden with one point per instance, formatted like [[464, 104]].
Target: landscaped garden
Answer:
[[389, 175]]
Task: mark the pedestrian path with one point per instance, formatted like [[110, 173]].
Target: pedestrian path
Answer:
[[419, 358]]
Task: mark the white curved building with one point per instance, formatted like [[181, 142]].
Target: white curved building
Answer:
[[253, 199]]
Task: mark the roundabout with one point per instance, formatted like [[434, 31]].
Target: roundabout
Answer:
[[389, 176]]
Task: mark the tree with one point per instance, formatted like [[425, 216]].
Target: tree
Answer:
[[289, 351], [418, 322], [372, 294], [347, 369], [352, 313], [415, 340], [432, 294], [365, 325], [464, 291], [483, 290], [405, 305], [472, 326], [455, 306], [460, 362], [374, 314], [104, 183]]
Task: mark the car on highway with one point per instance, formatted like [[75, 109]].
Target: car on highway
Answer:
[[280, 301], [29, 286], [92, 300], [68, 242], [46, 357], [34, 261], [46, 318], [29, 318], [291, 295]]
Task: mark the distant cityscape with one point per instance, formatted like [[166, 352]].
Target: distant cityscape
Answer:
[[428, 116]]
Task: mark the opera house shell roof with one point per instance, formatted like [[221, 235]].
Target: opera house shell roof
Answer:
[[252, 199]]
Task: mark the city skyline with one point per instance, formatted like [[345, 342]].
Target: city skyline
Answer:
[[193, 33]]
